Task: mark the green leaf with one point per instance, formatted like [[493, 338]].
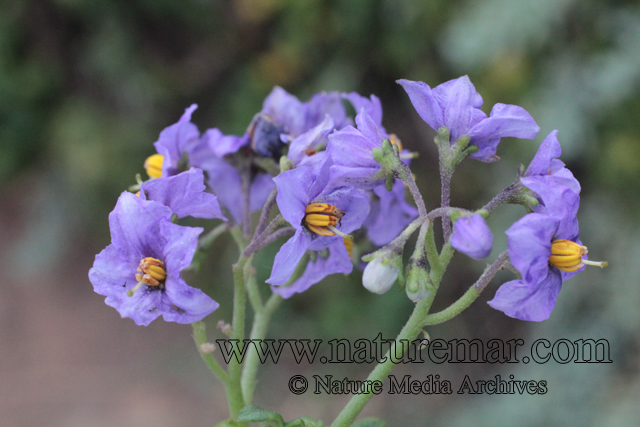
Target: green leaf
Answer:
[[256, 414], [369, 422]]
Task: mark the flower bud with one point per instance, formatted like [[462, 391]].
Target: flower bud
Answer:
[[418, 286], [380, 275], [472, 237]]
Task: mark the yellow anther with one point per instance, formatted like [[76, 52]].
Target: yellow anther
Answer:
[[321, 218], [151, 272], [153, 165], [395, 141], [348, 244], [567, 256]]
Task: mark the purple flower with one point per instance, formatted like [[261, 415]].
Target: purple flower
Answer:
[[316, 210], [311, 142], [456, 105], [184, 194], [144, 260], [545, 248], [351, 151], [472, 237], [390, 214], [175, 140]]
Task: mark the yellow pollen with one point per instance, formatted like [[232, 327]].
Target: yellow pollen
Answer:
[[138, 194], [395, 141], [567, 256], [348, 243], [321, 218], [151, 272], [153, 165]]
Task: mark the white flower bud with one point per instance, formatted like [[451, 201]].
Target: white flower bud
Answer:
[[380, 275]]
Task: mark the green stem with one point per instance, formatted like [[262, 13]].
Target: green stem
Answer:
[[258, 332], [472, 293], [200, 337], [430, 248], [252, 288], [211, 236], [234, 391], [409, 332]]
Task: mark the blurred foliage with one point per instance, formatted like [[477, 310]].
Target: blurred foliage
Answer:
[[86, 86]]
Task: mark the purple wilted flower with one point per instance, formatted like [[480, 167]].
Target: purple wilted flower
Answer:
[[390, 214], [456, 105], [545, 248], [351, 151], [318, 212], [175, 140], [144, 260], [184, 194], [284, 117], [472, 237], [331, 257]]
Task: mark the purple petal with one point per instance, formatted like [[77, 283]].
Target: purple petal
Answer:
[[458, 105], [179, 246], [371, 105], [529, 242], [183, 304], [288, 257], [224, 180], [184, 195], [338, 261], [221, 144], [134, 227], [292, 198], [142, 307], [261, 187], [368, 127], [559, 201], [472, 237], [308, 139], [323, 104], [174, 139], [528, 302], [286, 109], [353, 202], [505, 120], [549, 150], [390, 214], [424, 102]]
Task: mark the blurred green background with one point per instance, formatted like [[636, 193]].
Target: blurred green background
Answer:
[[86, 87]]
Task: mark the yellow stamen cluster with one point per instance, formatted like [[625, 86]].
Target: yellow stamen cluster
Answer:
[[567, 256], [151, 272], [153, 165], [322, 218], [395, 141]]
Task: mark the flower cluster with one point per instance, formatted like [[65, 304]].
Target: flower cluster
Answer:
[[331, 175]]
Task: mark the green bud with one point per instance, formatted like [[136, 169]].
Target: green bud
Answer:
[[378, 154], [530, 200], [419, 285]]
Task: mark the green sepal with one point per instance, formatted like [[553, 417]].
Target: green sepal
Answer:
[[369, 422], [388, 183], [256, 414], [286, 164]]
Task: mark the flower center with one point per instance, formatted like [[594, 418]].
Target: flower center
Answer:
[[151, 272], [567, 256], [322, 218], [153, 165]]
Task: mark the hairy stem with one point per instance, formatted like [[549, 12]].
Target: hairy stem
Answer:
[[258, 332], [200, 337], [472, 293]]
